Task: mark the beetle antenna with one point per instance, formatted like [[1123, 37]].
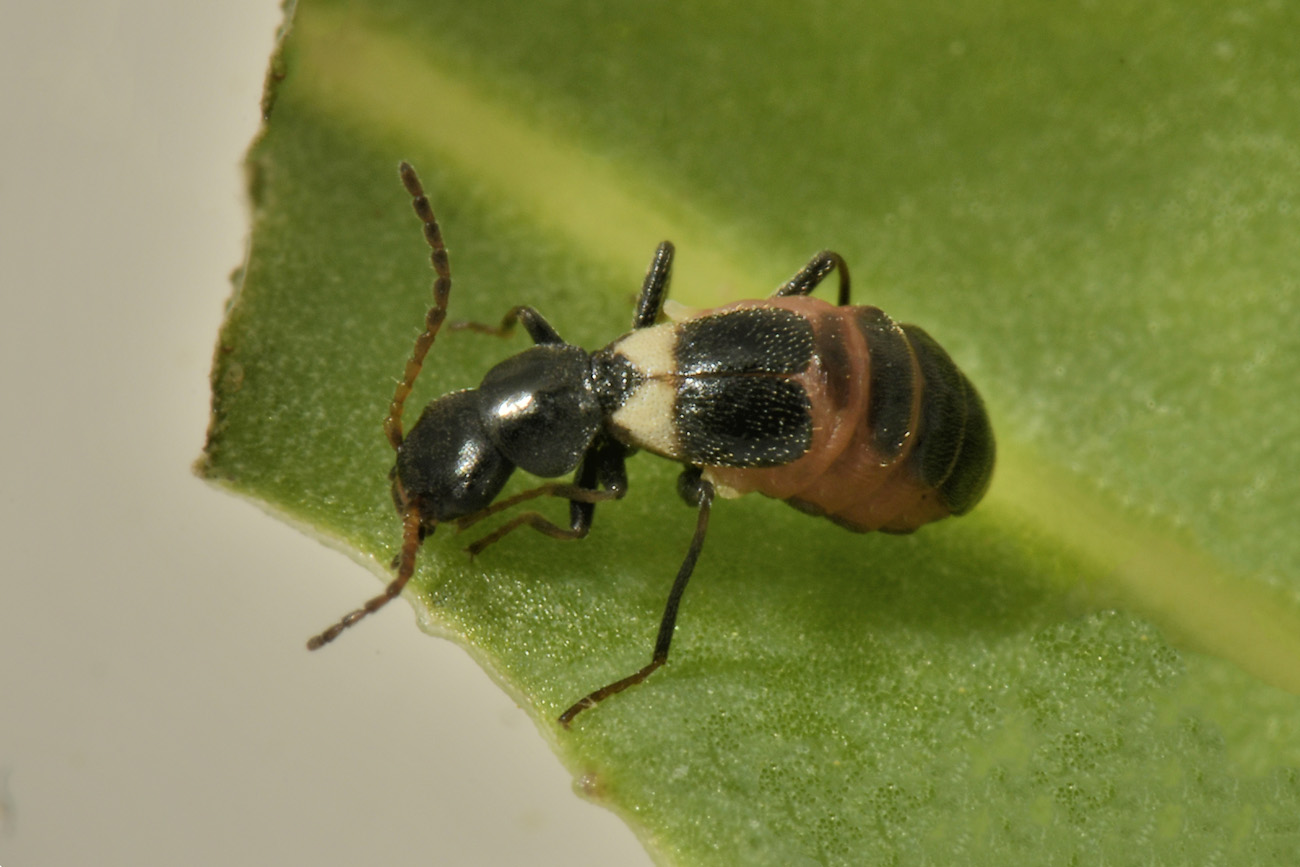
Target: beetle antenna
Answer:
[[437, 313], [412, 535]]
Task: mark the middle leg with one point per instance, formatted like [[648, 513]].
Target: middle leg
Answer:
[[698, 493], [537, 327], [601, 476], [812, 274]]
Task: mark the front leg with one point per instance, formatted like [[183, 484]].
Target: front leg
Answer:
[[604, 467], [537, 327], [601, 476]]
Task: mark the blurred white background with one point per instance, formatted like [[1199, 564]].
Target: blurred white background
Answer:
[[156, 702]]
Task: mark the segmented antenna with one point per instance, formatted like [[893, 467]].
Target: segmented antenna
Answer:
[[437, 313], [411, 539], [412, 530]]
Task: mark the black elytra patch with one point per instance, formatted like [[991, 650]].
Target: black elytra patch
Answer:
[[742, 421], [748, 340]]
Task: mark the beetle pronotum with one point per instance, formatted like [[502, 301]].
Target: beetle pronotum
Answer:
[[836, 409]]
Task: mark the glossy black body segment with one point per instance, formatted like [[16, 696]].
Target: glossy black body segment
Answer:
[[954, 449], [540, 408], [893, 380], [452, 424]]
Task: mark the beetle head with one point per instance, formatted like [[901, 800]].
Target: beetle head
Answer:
[[447, 467]]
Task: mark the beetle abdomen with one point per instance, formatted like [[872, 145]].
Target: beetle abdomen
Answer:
[[900, 436]]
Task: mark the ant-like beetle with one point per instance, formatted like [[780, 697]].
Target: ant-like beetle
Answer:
[[836, 409]]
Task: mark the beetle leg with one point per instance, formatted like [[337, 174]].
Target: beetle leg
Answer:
[[603, 467], [564, 490], [538, 328], [655, 287], [601, 476], [698, 493], [813, 273], [539, 522]]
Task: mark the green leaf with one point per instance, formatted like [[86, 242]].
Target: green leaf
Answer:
[[1092, 206]]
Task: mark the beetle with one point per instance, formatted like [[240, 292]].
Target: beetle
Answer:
[[836, 409]]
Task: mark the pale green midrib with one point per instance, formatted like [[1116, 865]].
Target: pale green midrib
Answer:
[[366, 76]]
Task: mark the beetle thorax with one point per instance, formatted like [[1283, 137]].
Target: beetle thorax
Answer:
[[540, 408]]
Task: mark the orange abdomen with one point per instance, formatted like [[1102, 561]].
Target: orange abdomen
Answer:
[[900, 436]]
